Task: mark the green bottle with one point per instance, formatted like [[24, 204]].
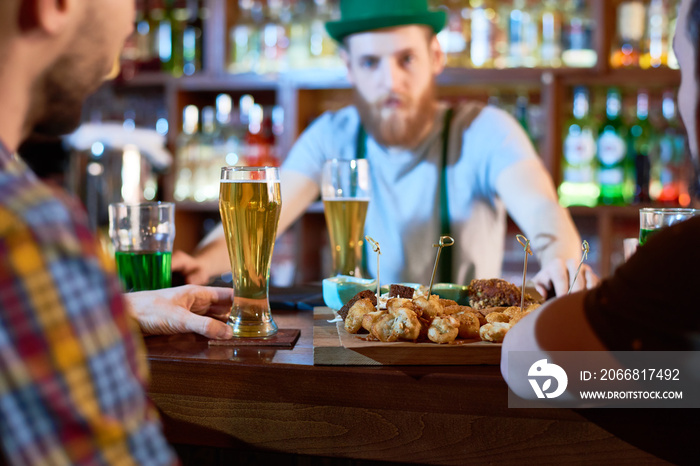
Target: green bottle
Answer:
[[640, 139], [579, 185], [612, 152]]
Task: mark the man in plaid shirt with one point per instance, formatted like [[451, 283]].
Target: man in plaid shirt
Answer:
[[72, 364]]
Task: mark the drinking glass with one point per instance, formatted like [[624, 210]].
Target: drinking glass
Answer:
[[250, 204], [652, 220], [345, 190], [143, 235]]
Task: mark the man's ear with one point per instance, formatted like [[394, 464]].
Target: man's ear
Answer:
[[52, 16], [345, 56], [439, 58]]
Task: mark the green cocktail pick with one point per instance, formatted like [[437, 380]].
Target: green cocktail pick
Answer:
[[445, 242], [375, 248], [525, 243], [586, 249]]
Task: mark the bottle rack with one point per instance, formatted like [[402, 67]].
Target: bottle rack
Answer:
[[305, 94]]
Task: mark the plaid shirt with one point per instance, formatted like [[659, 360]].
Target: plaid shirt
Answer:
[[72, 365]]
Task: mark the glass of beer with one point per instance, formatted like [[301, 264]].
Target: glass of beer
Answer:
[[345, 187], [142, 235], [652, 219], [250, 204]]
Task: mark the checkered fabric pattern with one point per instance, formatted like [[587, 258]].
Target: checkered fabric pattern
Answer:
[[72, 364]]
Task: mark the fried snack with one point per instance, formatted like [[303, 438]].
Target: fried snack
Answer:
[[468, 325], [406, 324], [447, 302], [431, 307], [488, 310], [494, 332], [400, 291], [370, 318], [366, 294], [443, 329], [394, 304], [383, 329], [353, 321], [478, 315], [497, 317], [495, 292]]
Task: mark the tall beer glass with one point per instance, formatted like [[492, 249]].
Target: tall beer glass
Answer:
[[346, 192], [250, 203], [143, 235]]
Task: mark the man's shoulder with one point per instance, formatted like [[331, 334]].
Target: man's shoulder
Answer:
[[478, 114], [346, 119], [49, 217]]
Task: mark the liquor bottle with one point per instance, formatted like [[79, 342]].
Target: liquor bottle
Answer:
[[520, 113], [454, 37], [532, 33], [612, 152], [156, 15], [669, 184], [143, 34], [551, 25], [187, 153], [482, 48], [640, 138], [299, 53], [275, 41], [672, 19], [655, 53], [579, 186], [165, 38], [229, 136], [577, 36], [321, 47], [192, 46], [206, 183], [180, 16], [517, 25], [245, 38], [630, 32]]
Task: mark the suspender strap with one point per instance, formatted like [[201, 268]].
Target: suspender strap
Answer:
[[445, 266]]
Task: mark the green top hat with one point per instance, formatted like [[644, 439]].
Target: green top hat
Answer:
[[367, 15]]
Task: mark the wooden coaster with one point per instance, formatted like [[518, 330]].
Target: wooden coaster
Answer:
[[285, 337]]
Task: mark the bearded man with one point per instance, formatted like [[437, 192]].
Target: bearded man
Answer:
[[434, 169]]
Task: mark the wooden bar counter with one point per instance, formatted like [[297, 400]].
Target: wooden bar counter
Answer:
[[276, 400]]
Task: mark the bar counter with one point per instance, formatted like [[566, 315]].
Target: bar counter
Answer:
[[276, 400]]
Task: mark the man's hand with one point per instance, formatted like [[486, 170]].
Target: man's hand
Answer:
[[191, 267], [557, 275], [184, 309]]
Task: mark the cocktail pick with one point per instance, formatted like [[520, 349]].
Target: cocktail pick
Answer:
[[445, 242], [525, 243], [375, 248], [586, 249]]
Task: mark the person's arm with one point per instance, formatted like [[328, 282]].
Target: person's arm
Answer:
[[73, 368], [528, 193]]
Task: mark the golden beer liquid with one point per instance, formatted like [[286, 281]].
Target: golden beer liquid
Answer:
[[345, 219], [250, 211]]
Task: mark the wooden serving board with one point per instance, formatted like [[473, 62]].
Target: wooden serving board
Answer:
[[333, 346]]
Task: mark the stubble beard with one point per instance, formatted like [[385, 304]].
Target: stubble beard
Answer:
[[60, 93], [404, 127]]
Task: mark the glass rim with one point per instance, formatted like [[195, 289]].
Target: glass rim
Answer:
[[249, 169], [336, 160], [665, 210], [143, 204]]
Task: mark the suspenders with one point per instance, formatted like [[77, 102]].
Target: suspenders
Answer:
[[445, 266]]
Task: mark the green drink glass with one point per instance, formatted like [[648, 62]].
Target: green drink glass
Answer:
[[652, 220], [142, 235]]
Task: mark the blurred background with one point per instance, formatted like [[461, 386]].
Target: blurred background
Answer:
[[211, 83]]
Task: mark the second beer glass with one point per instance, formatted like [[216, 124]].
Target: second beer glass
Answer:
[[346, 193], [250, 204]]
